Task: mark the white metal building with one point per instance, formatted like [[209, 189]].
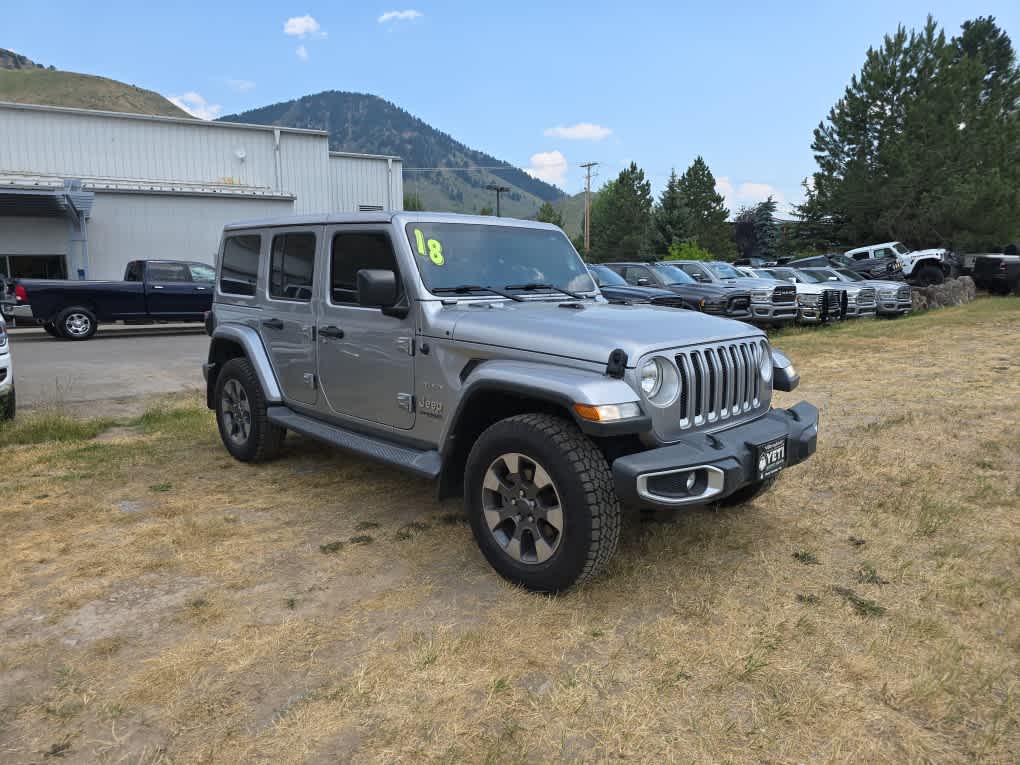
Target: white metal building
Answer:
[[84, 192]]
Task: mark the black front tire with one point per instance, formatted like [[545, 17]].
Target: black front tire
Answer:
[[241, 414], [584, 485], [928, 275], [9, 407], [76, 323], [746, 494]]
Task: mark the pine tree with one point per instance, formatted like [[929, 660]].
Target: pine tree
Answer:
[[766, 230], [620, 217], [412, 202], [671, 222], [924, 145], [549, 214], [707, 210]]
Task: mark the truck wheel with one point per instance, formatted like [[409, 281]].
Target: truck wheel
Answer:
[[929, 274], [51, 329], [241, 414], [76, 323], [747, 493], [541, 502], [9, 407]]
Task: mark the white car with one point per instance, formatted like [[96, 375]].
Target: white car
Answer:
[[7, 402], [921, 267], [819, 303]]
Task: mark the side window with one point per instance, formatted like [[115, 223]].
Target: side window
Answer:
[[202, 274], [353, 251], [292, 266], [168, 272], [693, 271], [240, 267], [633, 274], [133, 272]]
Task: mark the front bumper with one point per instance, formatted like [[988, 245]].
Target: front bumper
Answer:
[[6, 375], [723, 462], [854, 311], [893, 307], [773, 313]]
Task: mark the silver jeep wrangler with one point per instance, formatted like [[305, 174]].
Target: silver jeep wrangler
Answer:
[[478, 352]]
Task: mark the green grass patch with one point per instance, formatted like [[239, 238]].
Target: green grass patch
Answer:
[[47, 426], [176, 420], [863, 606], [806, 557]]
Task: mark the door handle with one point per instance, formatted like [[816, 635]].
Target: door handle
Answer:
[[200, 289], [331, 332], [157, 286], [273, 323]]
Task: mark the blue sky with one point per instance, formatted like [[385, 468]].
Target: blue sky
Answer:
[[545, 85]]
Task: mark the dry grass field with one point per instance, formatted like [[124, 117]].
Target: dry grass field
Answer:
[[161, 603]]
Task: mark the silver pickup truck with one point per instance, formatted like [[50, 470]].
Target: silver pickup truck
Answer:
[[478, 352]]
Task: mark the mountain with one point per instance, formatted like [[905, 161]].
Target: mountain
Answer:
[[362, 123], [572, 210], [25, 82]]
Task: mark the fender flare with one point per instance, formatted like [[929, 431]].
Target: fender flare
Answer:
[[255, 351], [559, 385]]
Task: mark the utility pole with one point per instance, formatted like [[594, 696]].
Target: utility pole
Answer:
[[499, 190], [587, 205]]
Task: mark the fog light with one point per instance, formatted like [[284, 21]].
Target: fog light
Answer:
[[692, 478]]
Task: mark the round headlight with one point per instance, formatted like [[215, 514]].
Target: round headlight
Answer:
[[766, 362], [650, 377], [660, 381]]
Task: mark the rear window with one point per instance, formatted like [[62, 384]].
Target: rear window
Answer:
[[239, 269], [291, 267], [168, 272]]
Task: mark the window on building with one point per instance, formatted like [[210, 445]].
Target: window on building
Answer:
[[239, 269], [201, 273], [292, 266], [168, 272], [353, 251]]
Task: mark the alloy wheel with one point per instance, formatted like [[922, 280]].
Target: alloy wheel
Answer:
[[236, 412], [522, 508]]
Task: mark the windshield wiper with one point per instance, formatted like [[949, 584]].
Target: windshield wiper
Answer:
[[464, 289], [532, 286]]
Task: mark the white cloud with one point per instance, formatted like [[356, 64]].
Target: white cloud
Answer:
[[241, 86], [195, 105], [582, 131], [302, 52], [747, 193], [548, 166], [303, 27], [408, 15]]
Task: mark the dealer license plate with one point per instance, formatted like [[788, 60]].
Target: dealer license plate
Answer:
[[771, 457]]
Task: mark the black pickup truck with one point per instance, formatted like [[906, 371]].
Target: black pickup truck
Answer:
[[999, 274], [152, 290]]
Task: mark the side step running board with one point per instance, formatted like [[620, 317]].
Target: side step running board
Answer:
[[426, 464]]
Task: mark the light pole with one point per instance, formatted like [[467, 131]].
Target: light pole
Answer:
[[499, 190]]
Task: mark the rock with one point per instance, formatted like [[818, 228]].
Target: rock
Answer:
[[949, 293]]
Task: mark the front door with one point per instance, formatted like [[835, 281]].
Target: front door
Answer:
[[169, 291], [287, 325], [364, 356]]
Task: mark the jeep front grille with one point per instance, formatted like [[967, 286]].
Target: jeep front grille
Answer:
[[718, 382]]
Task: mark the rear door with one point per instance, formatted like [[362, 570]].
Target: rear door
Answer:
[[287, 325], [365, 361], [169, 291]]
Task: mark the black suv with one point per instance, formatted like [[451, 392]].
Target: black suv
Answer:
[[883, 269], [719, 300], [615, 289]]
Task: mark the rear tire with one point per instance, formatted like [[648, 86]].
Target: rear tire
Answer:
[[241, 414], [747, 493], [929, 274], [76, 323], [541, 502], [9, 407]]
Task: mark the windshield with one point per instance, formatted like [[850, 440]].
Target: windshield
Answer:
[[607, 277], [810, 278], [672, 274], [725, 271], [825, 273], [783, 274], [851, 276], [900, 249], [457, 254]]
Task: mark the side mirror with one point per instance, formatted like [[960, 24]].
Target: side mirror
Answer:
[[643, 282], [698, 277], [376, 288]]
